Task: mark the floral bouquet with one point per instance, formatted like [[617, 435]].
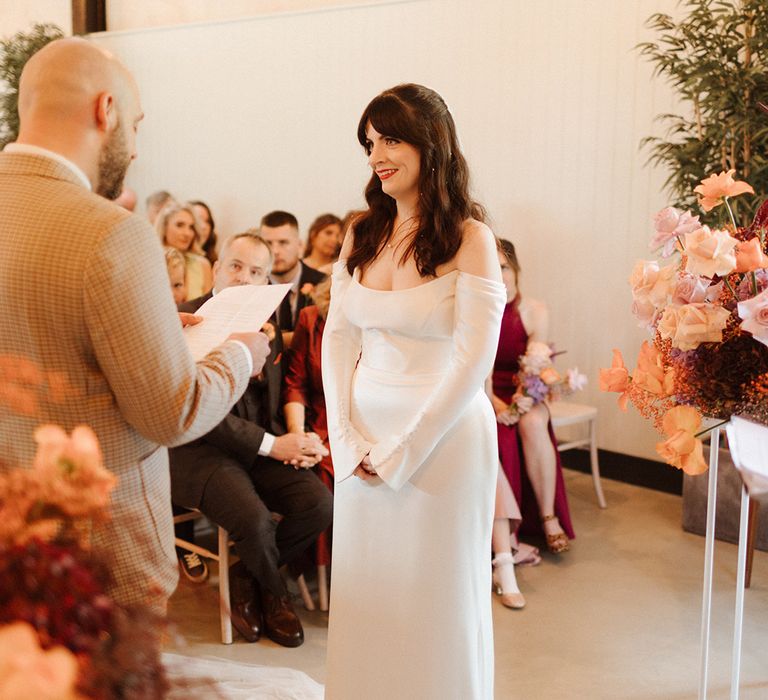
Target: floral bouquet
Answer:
[[61, 635], [539, 381], [707, 313]]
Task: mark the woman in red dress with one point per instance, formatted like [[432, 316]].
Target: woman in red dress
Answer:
[[303, 394], [527, 446]]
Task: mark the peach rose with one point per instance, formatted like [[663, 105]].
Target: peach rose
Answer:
[[699, 323], [710, 252], [651, 282], [616, 378], [27, 671], [750, 256], [74, 477], [668, 322], [713, 189], [754, 315], [650, 373], [682, 449]]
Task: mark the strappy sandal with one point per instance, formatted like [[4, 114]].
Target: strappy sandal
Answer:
[[559, 542]]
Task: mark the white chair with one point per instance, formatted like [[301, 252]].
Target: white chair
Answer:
[[564, 414], [222, 557]]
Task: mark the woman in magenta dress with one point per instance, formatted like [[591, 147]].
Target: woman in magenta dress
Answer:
[[527, 447]]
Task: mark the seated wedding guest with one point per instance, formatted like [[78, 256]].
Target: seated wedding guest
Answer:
[[248, 468], [155, 203], [527, 446], [177, 227], [323, 243], [177, 270], [208, 238], [281, 230], [303, 393]]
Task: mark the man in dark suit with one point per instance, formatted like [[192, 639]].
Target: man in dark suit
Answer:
[[247, 468], [281, 230]]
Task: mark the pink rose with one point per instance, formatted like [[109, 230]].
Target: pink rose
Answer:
[[710, 252], [689, 289], [754, 315], [645, 312], [699, 323], [750, 256], [671, 223]]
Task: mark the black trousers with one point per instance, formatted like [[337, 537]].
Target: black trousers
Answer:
[[243, 499]]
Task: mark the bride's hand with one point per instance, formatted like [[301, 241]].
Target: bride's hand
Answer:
[[365, 469]]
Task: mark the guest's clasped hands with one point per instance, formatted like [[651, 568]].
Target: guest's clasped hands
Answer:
[[365, 470], [300, 450]]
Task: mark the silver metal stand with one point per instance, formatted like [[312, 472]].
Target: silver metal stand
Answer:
[[709, 555], [741, 572]]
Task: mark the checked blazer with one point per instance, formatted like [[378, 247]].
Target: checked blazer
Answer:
[[86, 300]]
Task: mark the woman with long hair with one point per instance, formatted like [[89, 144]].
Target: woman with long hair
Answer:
[[323, 242], [416, 305], [527, 446], [177, 227], [207, 225]]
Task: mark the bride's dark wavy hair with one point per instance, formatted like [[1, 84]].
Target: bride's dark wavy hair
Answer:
[[418, 116]]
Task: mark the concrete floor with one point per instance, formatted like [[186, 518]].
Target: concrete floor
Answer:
[[617, 617]]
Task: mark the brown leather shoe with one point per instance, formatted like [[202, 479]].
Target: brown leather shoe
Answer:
[[244, 602], [281, 624]]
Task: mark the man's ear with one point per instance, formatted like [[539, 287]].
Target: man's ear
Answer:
[[215, 268], [106, 112]]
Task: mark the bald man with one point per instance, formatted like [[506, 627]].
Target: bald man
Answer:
[[86, 297]]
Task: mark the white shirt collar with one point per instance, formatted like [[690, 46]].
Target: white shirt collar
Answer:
[[38, 151]]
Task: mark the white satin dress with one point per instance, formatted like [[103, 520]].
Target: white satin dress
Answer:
[[403, 374]]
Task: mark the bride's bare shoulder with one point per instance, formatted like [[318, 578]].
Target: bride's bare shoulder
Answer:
[[477, 254]]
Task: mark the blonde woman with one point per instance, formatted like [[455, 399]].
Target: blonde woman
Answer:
[[178, 228]]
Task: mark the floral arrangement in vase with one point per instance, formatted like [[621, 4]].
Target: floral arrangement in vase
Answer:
[[707, 313], [539, 381], [61, 635]]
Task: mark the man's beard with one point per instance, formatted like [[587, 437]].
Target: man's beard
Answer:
[[113, 164]]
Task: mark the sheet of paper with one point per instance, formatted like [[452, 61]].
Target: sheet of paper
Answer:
[[748, 443], [241, 309]]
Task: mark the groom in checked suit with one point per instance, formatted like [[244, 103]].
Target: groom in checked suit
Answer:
[[86, 300], [248, 468]]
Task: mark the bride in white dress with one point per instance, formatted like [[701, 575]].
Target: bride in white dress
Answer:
[[416, 306]]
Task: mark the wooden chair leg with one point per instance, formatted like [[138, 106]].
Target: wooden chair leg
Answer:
[[309, 604], [595, 464], [754, 508], [224, 602], [322, 587]]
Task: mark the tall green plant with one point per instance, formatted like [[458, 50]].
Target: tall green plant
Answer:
[[15, 51], [716, 58]]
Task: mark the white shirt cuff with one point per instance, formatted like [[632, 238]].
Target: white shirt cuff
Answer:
[[247, 354], [267, 442]]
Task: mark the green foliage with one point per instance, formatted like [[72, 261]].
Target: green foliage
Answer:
[[14, 53], [716, 58]]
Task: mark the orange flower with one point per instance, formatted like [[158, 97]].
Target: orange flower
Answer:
[[750, 256], [616, 378], [650, 373], [713, 189], [682, 449], [550, 376]]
